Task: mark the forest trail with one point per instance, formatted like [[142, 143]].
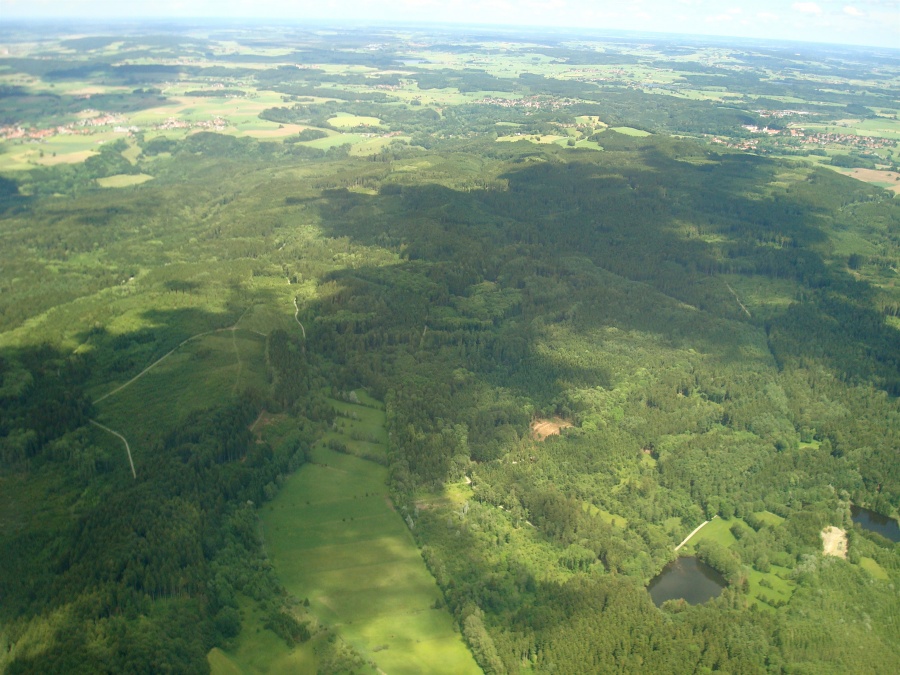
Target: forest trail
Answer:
[[240, 364], [297, 317], [124, 440], [746, 311], [162, 358], [696, 530]]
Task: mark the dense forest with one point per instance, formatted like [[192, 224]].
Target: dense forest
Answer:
[[714, 333]]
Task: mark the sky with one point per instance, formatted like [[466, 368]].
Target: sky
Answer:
[[860, 22]]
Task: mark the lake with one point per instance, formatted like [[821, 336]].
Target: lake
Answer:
[[687, 578], [886, 527]]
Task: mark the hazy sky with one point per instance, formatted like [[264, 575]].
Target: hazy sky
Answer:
[[868, 22]]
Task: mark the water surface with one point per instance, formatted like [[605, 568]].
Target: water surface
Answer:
[[886, 527], [687, 578]]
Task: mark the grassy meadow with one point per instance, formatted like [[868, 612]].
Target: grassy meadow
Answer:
[[336, 540]]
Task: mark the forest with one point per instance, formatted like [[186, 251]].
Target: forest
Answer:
[[237, 266]]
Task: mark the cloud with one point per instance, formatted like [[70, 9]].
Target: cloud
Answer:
[[807, 8], [767, 16], [853, 11]]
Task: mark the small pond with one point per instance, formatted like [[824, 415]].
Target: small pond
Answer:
[[687, 578], [886, 527]]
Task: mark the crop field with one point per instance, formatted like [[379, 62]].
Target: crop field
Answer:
[[335, 538]]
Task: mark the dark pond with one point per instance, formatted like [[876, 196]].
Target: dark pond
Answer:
[[886, 527], [687, 578]]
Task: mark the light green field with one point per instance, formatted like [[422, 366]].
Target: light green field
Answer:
[[629, 131], [336, 140], [258, 650], [606, 516], [590, 145], [715, 530], [873, 568], [760, 295], [778, 587], [371, 146], [335, 538], [546, 139], [769, 518], [123, 180]]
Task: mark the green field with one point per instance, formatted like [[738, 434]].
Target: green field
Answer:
[[606, 516], [716, 530], [873, 568], [335, 538], [766, 588], [198, 375], [769, 518], [258, 650], [629, 131]]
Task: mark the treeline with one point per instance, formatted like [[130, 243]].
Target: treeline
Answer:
[[175, 547]]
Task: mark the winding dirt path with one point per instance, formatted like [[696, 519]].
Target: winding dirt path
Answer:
[[297, 317], [162, 358], [127, 448]]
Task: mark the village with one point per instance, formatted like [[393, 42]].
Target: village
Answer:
[[97, 122]]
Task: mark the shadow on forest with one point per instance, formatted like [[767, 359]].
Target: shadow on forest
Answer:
[[671, 216]]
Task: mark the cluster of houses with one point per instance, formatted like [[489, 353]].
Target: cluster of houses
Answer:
[[101, 121], [536, 102]]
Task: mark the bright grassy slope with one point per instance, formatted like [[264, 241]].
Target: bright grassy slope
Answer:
[[335, 539], [258, 650]]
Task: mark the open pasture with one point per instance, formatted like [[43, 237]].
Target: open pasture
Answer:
[[257, 650], [629, 131], [716, 530], [335, 538]]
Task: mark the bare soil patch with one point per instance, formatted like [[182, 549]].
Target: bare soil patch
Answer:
[[542, 428], [834, 542]]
